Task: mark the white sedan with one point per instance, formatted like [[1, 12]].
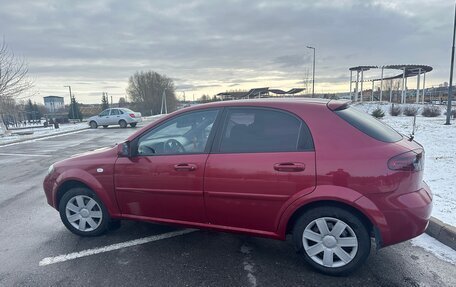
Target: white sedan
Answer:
[[115, 116]]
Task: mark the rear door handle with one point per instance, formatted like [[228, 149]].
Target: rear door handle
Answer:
[[290, 166], [185, 167]]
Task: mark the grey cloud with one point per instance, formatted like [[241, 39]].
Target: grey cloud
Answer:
[[210, 44]]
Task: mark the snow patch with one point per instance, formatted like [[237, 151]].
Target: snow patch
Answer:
[[437, 248], [40, 131], [249, 266]]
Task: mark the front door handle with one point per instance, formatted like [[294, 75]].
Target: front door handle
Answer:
[[290, 166], [185, 167]]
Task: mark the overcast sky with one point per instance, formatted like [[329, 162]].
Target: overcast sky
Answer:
[[209, 47]]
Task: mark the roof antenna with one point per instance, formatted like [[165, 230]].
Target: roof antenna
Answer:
[[412, 136]]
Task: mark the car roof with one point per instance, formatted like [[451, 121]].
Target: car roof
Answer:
[[282, 103], [272, 102]]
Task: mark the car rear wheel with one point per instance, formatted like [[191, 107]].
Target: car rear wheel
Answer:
[[93, 125], [83, 213], [332, 240], [105, 127], [122, 124], [133, 125]]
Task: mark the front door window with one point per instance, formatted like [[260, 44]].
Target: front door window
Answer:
[[185, 134]]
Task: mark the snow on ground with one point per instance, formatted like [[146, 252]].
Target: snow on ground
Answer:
[[437, 248], [39, 132], [439, 142]]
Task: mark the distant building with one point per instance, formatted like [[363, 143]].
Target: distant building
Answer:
[[54, 103]]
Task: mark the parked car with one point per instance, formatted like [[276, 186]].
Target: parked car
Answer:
[[330, 175], [115, 116]]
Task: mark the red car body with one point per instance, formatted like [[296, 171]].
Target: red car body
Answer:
[[248, 192]]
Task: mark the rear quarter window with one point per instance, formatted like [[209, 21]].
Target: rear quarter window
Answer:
[[369, 125]]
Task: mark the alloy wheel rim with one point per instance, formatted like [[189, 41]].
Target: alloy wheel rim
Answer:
[[83, 213], [330, 242]]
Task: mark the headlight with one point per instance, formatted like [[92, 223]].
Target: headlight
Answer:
[[51, 169]]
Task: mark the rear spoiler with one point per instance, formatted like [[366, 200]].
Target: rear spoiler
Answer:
[[337, 105]]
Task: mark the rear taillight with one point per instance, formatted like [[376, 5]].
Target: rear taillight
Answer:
[[132, 116], [408, 161]]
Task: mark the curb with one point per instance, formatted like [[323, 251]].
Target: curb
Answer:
[[42, 136], [443, 232]]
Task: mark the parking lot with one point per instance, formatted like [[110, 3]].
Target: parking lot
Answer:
[[37, 250]]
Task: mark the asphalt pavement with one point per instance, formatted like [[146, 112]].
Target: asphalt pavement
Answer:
[[37, 250]]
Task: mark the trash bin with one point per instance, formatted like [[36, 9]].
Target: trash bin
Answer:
[[56, 125]]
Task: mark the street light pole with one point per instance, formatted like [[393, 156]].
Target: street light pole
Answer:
[[450, 89], [71, 101], [313, 71]]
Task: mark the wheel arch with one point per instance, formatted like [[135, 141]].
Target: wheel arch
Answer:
[[334, 203], [66, 186], [93, 121], [77, 178]]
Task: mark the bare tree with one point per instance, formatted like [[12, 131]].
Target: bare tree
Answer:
[[13, 78], [145, 89]]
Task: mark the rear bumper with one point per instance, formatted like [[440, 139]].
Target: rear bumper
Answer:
[[400, 217], [134, 120]]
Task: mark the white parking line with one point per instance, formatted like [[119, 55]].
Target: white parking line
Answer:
[[88, 252], [24, 154]]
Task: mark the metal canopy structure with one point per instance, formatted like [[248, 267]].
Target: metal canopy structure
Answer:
[[359, 69], [258, 93], [406, 72], [282, 92]]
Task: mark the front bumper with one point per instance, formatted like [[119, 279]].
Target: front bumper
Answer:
[[48, 186]]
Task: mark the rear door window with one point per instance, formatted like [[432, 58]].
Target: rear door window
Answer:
[[115, 112], [263, 130], [369, 125]]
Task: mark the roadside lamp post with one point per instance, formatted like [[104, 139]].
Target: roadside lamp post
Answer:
[[313, 71], [71, 101], [450, 89]]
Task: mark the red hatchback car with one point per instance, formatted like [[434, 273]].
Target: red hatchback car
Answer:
[[332, 176]]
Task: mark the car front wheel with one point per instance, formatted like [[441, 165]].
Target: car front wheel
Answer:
[[93, 125], [83, 213], [332, 240]]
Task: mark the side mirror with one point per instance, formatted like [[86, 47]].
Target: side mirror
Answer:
[[123, 149]]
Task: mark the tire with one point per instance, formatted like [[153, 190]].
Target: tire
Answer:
[[105, 127], [352, 243], [122, 124], [93, 125], [91, 221], [133, 125]]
